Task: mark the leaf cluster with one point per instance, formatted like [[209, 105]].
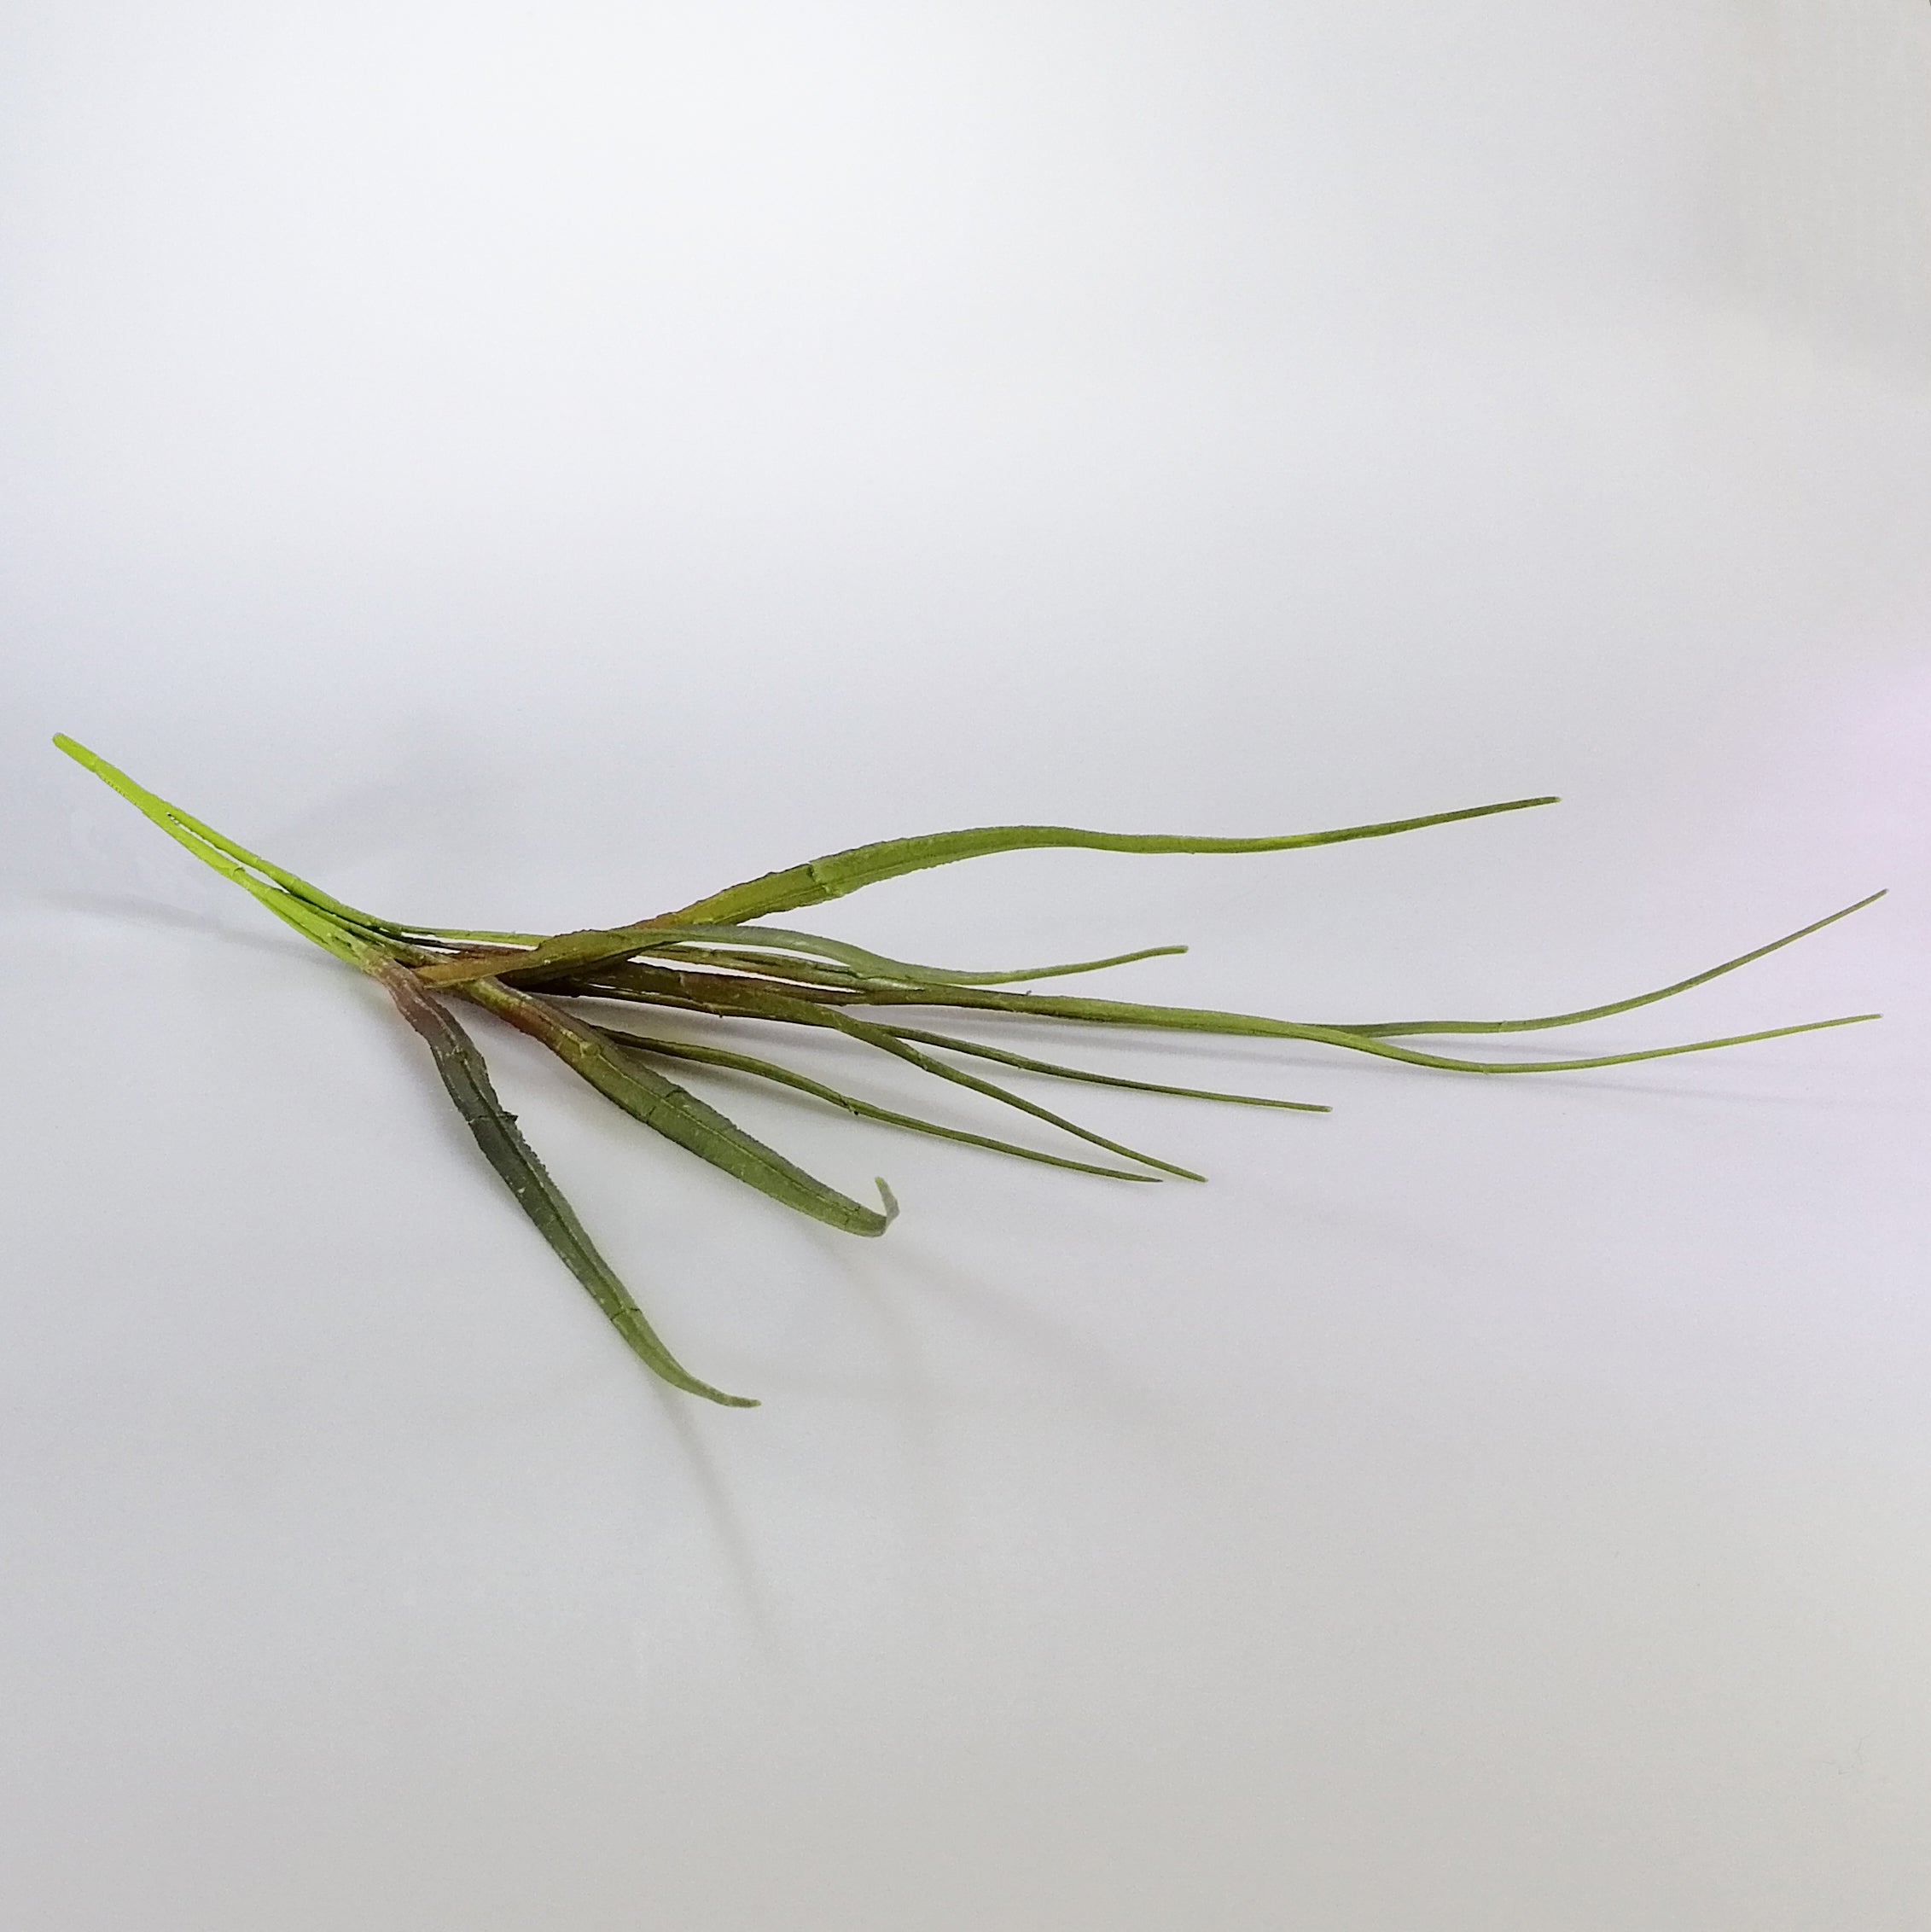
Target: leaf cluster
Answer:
[[566, 991]]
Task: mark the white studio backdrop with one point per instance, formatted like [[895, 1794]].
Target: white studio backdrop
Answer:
[[533, 465]]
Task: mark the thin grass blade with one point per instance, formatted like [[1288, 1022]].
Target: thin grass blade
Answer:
[[1359, 1044], [735, 997], [569, 954], [1202, 1020], [864, 1109], [875, 965], [215, 849], [1383, 1029], [954, 1044], [753, 999], [842, 872]]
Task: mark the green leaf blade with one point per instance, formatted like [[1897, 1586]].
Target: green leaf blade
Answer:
[[1385, 1028], [838, 873], [863, 1110], [668, 1109], [466, 1080]]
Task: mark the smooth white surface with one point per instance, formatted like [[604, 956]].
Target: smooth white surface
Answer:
[[534, 465]]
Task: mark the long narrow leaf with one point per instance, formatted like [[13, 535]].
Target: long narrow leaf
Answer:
[[466, 1080], [876, 965], [644, 984], [652, 982], [785, 1076], [1382, 1028], [234, 861], [1202, 1020], [953, 1043], [586, 951], [751, 998], [668, 1109], [840, 872]]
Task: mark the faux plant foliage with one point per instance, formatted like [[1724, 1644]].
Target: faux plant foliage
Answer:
[[709, 959]]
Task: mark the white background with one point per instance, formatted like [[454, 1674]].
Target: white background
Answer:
[[532, 465]]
